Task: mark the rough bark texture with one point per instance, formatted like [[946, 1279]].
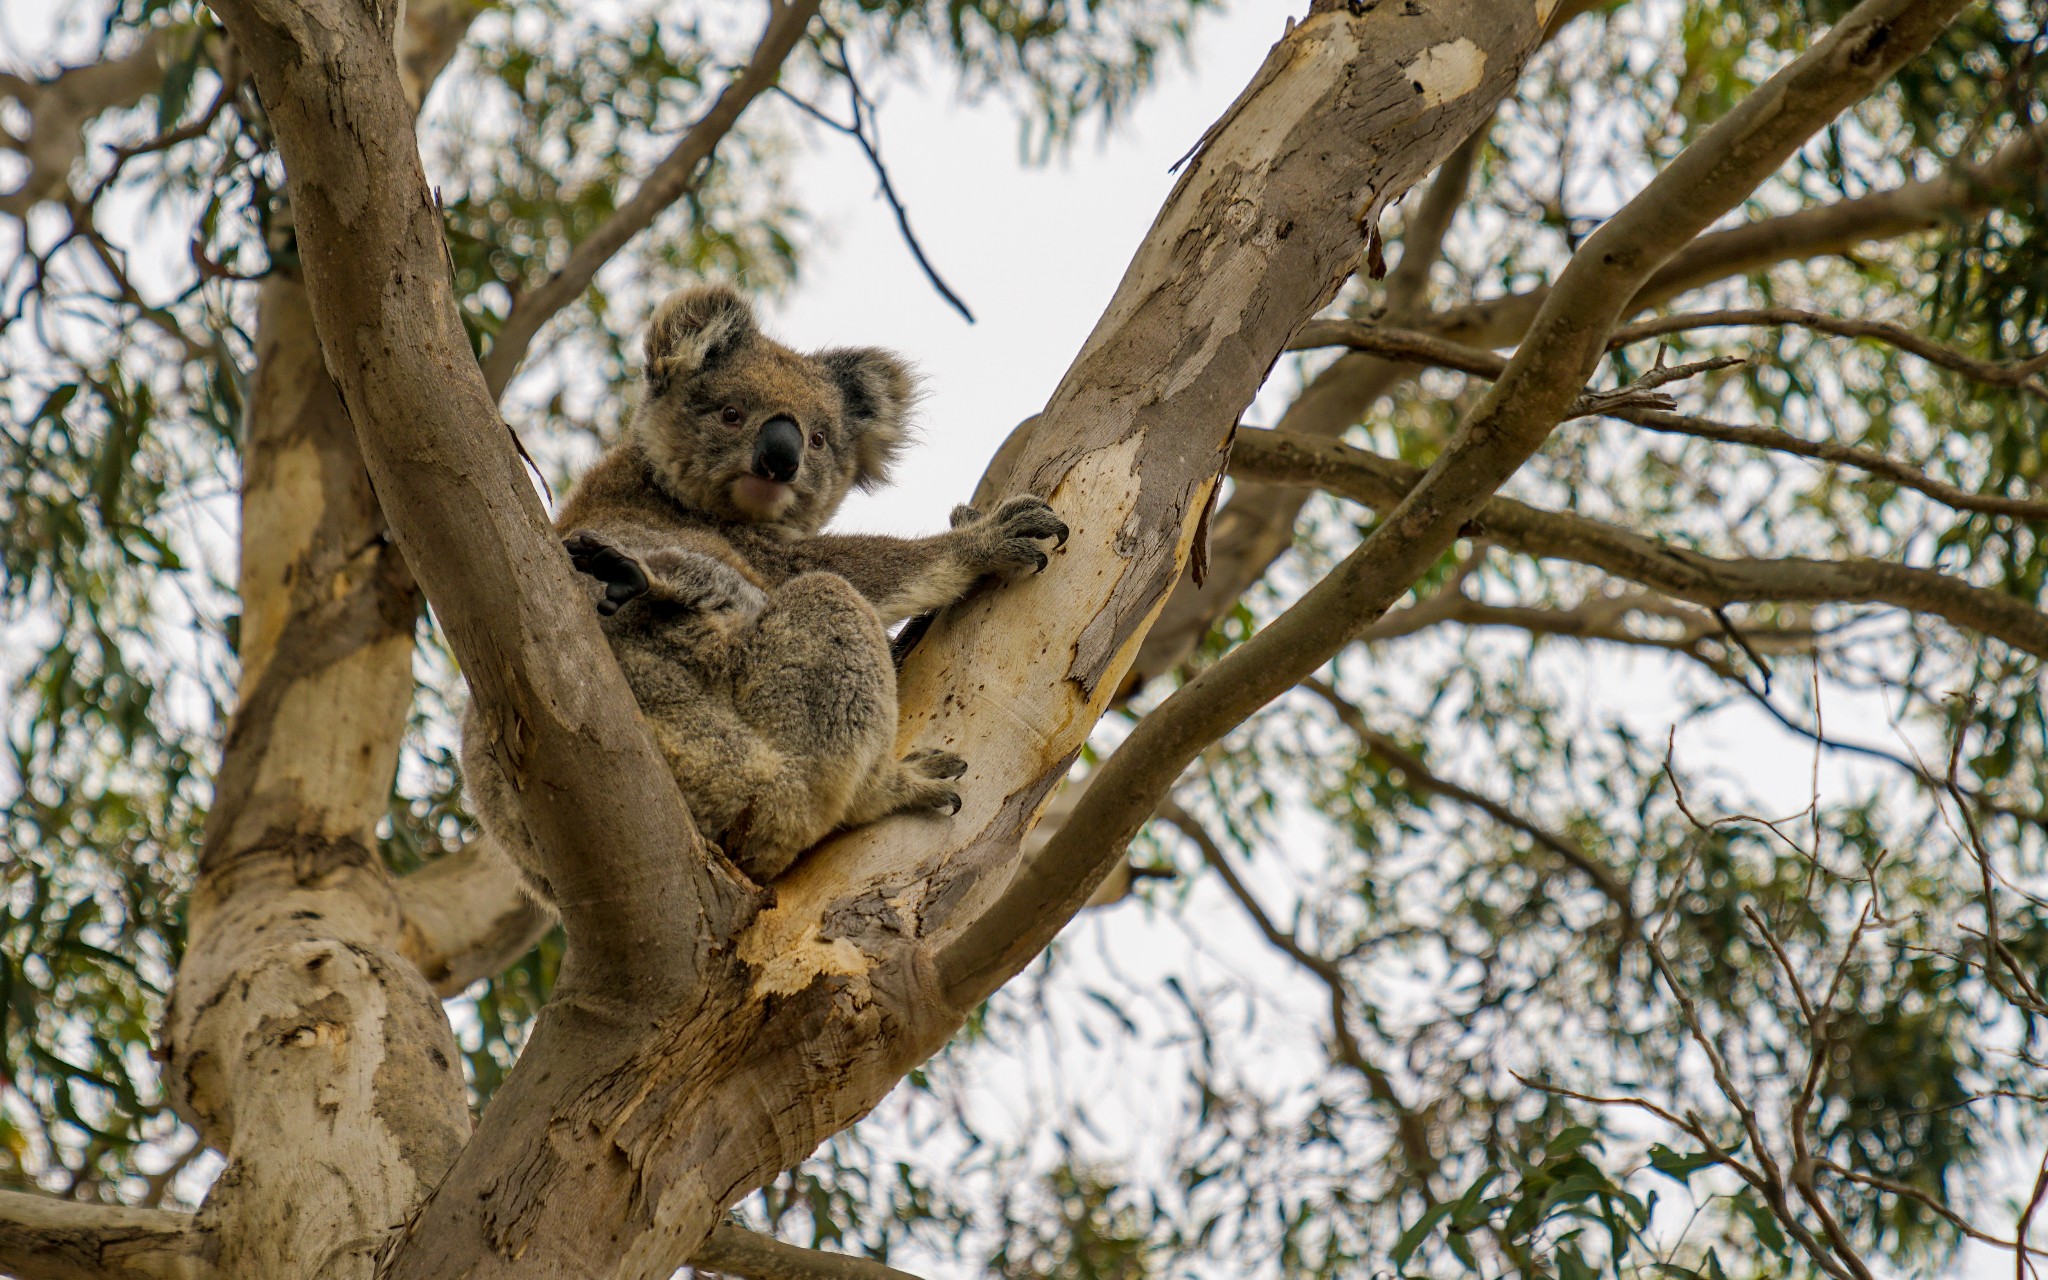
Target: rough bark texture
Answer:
[[677, 1068], [1535, 392], [299, 1041], [45, 1238]]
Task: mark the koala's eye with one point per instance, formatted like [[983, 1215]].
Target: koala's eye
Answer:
[[817, 439], [731, 416]]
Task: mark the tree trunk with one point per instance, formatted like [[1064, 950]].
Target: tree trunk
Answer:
[[696, 1047], [299, 1041]]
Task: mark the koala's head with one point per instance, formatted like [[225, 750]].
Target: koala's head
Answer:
[[740, 427]]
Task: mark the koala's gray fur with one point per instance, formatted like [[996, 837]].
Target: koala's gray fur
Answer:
[[753, 643]]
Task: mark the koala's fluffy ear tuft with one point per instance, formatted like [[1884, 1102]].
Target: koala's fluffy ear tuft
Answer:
[[693, 330], [878, 390]]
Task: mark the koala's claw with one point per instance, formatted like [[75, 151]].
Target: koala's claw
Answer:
[[952, 802], [1018, 525], [624, 577], [936, 764]]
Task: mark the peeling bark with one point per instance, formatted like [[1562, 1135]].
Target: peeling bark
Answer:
[[1536, 390], [688, 1055], [1256, 526], [299, 1041]]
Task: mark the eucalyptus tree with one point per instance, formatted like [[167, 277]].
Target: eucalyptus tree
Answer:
[[1704, 394]]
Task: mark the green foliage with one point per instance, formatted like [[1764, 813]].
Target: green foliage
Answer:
[[1489, 1082], [121, 453]]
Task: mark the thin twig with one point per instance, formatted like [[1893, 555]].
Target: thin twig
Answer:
[[2011, 373], [862, 131], [1426, 348], [1419, 775]]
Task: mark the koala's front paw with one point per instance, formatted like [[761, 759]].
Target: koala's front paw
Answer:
[[624, 577], [1010, 536], [929, 771]]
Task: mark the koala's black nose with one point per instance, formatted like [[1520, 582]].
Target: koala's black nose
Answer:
[[778, 450]]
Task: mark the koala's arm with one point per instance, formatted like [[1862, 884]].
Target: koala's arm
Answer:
[[629, 563], [904, 577]]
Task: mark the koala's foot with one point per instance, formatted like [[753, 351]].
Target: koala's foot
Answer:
[[674, 578], [920, 782], [625, 579], [1008, 538]]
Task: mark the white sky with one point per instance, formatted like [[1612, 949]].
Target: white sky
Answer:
[[1034, 252], [1037, 252]]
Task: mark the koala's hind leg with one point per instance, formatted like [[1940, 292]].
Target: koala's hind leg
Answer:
[[921, 782], [812, 676]]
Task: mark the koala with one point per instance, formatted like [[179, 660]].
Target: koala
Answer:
[[755, 645]]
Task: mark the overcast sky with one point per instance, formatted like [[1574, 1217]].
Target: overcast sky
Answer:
[[1035, 252]]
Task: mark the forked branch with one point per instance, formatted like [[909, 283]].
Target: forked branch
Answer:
[[1536, 389], [1708, 581]]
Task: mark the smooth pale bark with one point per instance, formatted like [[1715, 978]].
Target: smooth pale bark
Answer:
[[1257, 526], [1536, 391], [1245, 251], [684, 1061], [466, 917], [299, 1041]]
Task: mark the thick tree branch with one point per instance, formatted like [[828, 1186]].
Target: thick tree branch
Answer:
[[1195, 327], [1257, 526], [434, 30], [637, 894], [1547, 372], [1383, 483], [741, 1252], [465, 917], [44, 1238], [676, 176]]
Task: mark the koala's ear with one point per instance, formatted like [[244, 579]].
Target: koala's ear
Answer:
[[693, 330], [878, 389]]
